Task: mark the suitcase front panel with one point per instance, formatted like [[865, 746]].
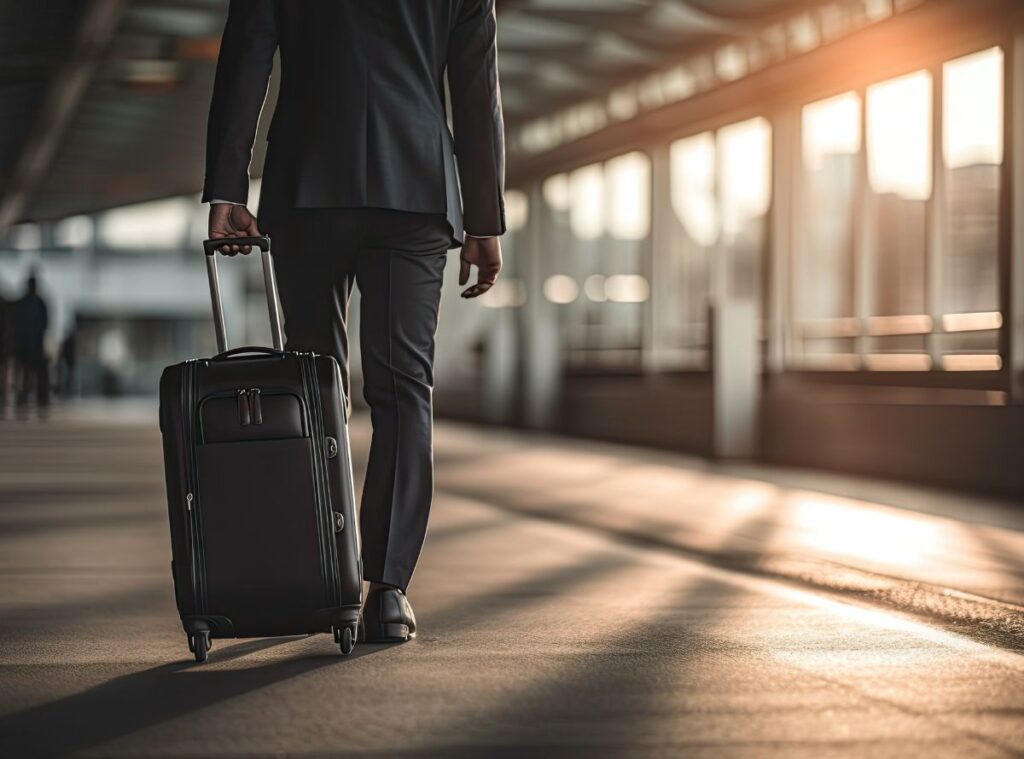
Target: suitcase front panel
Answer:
[[260, 536]]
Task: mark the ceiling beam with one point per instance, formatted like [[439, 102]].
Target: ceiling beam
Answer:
[[64, 93]]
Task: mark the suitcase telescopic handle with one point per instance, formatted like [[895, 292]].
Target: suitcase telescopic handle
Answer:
[[211, 246], [269, 282]]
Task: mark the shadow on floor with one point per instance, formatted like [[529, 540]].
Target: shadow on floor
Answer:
[[133, 702]]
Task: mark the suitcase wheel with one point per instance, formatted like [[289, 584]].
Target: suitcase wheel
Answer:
[[345, 637], [199, 644]]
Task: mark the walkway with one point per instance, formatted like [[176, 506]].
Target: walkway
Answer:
[[575, 600]]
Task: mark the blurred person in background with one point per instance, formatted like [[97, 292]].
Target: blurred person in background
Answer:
[[66, 361], [360, 186], [31, 319]]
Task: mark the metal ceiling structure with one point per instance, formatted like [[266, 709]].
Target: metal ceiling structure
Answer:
[[104, 101]]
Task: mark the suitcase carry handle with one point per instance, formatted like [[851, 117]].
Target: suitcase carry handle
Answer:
[[269, 283]]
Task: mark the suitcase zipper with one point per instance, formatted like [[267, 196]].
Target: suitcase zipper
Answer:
[[328, 541], [192, 499], [190, 515], [244, 413], [255, 407]]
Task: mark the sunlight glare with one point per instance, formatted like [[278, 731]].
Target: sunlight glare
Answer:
[[561, 289], [693, 187], [746, 174], [556, 192], [517, 209], [629, 196], [586, 207], [852, 528], [831, 127], [138, 226], [973, 110], [627, 288], [900, 136]]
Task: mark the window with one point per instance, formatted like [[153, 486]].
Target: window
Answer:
[[599, 217], [629, 197], [686, 282], [745, 192], [73, 232], [831, 143], [972, 153], [899, 144], [824, 263], [160, 224], [897, 267], [720, 187]]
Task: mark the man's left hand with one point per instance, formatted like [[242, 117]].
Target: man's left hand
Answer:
[[485, 254]]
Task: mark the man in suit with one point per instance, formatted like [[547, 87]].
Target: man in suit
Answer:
[[361, 186]]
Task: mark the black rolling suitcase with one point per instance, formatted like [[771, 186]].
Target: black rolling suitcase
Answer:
[[264, 535]]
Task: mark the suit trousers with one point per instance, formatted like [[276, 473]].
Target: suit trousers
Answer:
[[397, 260]]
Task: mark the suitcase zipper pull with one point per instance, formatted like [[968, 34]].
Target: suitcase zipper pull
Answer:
[[244, 417], [188, 501], [257, 407]]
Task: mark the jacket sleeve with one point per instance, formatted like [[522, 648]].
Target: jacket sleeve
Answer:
[[477, 118], [239, 91]]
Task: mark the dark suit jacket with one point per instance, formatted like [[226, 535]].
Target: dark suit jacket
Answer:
[[361, 118]]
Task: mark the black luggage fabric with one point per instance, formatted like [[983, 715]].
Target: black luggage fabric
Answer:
[[264, 534]]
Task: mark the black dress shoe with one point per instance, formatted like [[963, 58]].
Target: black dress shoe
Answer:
[[388, 617]]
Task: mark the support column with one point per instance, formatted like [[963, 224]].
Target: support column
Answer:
[[662, 220], [539, 324], [865, 241], [736, 374], [779, 257], [499, 367], [1013, 250], [938, 215]]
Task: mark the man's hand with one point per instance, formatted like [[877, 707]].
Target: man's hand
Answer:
[[227, 220], [485, 254]]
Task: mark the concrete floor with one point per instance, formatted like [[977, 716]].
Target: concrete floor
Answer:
[[574, 600]]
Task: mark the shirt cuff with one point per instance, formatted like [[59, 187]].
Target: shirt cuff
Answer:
[[480, 237], [216, 202]]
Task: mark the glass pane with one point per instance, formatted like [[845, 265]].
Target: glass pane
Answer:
[[972, 153], [900, 136], [558, 242], [629, 196], [158, 224], [693, 188], [586, 206], [745, 191], [73, 232], [517, 210], [578, 321], [831, 137], [686, 279], [899, 139], [601, 286], [618, 306]]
